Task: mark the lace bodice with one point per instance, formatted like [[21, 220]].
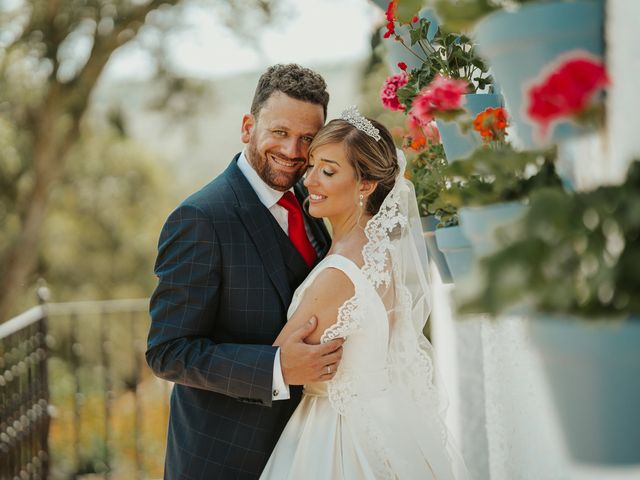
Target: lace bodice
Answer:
[[362, 320]]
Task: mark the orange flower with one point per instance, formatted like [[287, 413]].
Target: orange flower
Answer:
[[491, 124]]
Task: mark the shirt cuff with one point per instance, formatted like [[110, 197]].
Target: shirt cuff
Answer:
[[280, 389]]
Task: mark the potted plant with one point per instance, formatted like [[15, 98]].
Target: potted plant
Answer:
[[525, 44], [437, 57], [493, 184], [572, 263], [426, 166]]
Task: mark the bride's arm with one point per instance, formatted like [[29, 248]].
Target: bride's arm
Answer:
[[323, 298]]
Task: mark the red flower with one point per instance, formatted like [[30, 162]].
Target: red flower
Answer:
[[415, 19], [491, 124], [391, 29], [390, 14], [402, 66], [389, 91], [391, 10], [566, 92], [443, 94]]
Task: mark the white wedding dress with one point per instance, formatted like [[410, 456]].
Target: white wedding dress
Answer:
[[359, 425], [381, 416]]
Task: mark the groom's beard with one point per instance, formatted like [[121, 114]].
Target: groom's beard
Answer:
[[271, 173]]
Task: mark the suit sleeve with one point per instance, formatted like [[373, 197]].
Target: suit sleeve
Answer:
[[183, 314]]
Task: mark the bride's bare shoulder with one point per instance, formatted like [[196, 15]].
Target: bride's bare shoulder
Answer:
[[323, 299]]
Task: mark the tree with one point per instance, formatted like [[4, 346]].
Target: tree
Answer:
[[52, 55], [104, 219]]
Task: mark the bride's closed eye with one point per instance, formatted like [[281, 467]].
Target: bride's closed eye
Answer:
[[328, 173]]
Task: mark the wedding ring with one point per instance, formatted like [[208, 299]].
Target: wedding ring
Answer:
[[328, 369]]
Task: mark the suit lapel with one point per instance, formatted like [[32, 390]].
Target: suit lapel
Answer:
[[257, 220]]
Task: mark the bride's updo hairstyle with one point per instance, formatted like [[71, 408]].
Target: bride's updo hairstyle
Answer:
[[372, 159]]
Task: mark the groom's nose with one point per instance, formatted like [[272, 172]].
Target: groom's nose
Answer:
[[291, 148]]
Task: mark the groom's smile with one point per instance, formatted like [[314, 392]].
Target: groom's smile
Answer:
[[287, 163]]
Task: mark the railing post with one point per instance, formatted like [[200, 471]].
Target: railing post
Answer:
[[74, 356], [43, 295], [105, 352], [137, 418]]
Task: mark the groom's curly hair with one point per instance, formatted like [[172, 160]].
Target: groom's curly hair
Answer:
[[293, 80]]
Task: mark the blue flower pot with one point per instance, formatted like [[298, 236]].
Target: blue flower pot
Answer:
[[593, 369], [520, 44], [457, 250], [480, 224], [435, 254], [459, 145]]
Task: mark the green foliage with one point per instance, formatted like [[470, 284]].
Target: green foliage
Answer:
[[450, 54], [406, 9], [427, 171], [105, 216], [573, 253], [503, 174]]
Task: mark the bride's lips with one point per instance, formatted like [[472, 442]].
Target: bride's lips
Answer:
[[292, 165], [316, 198]]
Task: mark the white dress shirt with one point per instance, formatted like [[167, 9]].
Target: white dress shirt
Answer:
[[269, 198]]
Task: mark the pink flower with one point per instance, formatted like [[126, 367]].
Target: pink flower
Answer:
[[443, 94], [566, 92], [389, 91], [419, 136], [431, 132]]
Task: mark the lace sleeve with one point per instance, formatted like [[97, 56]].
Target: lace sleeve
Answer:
[[346, 323]]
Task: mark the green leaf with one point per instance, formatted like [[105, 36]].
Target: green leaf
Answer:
[[407, 9]]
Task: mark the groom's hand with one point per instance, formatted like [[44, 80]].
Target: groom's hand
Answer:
[[304, 363]]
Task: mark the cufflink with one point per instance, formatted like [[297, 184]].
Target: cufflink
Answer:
[[276, 392]]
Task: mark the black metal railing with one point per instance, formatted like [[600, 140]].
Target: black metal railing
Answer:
[[86, 403], [24, 397]]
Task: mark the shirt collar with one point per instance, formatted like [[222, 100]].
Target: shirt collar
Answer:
[[268, 196]]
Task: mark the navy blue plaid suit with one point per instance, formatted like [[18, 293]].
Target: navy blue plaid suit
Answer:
[[226, 273]]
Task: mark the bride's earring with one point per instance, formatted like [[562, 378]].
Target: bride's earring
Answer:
[[361, 197]]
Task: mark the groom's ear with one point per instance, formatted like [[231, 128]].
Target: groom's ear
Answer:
[[248, 124]]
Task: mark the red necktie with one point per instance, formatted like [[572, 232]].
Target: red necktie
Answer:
[[297, 233]]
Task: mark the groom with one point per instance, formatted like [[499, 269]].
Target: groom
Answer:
[[229, 258]]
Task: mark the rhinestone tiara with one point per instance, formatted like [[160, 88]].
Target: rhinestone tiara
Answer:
[[355, 118]]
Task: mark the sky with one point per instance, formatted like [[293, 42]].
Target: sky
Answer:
[[310, 32]]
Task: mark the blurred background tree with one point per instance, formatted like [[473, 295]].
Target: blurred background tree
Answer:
[[52, 56]]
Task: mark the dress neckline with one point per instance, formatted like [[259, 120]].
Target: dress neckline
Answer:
[[341, 256]]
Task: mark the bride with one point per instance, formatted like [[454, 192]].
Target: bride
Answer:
[[381, 414]]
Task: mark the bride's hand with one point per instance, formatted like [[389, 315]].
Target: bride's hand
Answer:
[[303, 363]]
